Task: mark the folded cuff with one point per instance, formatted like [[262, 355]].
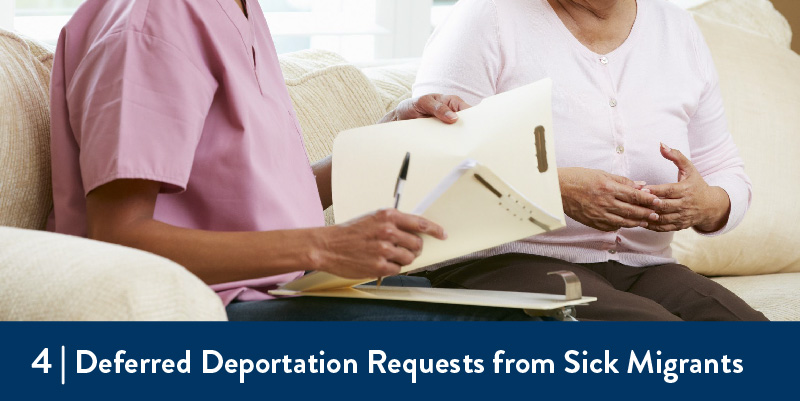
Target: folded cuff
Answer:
[[739, 194]]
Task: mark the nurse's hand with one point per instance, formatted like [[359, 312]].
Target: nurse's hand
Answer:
[[690, 202], [443, 107], [375, 245], [605, 201]]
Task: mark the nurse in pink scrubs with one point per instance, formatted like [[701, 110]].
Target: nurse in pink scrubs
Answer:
[[173, 132]]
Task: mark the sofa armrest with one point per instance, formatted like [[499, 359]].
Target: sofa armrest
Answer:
[[46, 276]]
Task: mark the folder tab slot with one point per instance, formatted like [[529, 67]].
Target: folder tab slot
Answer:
[[543, 226], [541, 148]]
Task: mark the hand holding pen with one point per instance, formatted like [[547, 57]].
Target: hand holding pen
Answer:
[[398, 190]]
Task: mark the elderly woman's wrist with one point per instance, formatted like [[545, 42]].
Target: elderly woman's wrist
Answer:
[[389, 117], [717, 211]]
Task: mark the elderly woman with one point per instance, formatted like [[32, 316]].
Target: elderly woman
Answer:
[[642, 142]]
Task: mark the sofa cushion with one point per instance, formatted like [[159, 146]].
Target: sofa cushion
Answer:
[[761, 89], [758, 16], [329, 96], [25, 188], [393, 82], [774, 295], [46, 276]]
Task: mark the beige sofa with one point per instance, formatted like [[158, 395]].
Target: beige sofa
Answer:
[[47, 276]]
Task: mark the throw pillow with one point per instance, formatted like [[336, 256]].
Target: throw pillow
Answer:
[[761, 88]]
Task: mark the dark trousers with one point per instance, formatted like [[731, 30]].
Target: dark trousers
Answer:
[[665, 292]]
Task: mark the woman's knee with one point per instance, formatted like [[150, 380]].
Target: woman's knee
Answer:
[[515, 272], [692, 296]]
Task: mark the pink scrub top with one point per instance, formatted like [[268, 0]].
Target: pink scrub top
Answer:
[[189, 94]]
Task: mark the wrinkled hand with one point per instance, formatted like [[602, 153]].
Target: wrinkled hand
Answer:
[[690, 202], [440, 106], [375, 245], [604, 201]]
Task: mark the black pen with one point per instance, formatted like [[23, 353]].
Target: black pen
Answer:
[[398, 190], [401, 180]]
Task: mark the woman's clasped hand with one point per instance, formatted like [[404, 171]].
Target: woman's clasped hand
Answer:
[[609, 202]]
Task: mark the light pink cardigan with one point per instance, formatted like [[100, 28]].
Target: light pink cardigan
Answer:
[[610, 111]]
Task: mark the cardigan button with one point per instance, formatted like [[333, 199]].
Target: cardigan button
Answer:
[[604, 60]]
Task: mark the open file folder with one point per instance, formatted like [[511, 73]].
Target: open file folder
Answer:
[[489, 179]]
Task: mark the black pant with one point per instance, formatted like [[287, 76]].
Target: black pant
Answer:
[[664, 292]]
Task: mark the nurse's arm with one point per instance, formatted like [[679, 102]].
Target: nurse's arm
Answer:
[[435, 105], [375, 245]]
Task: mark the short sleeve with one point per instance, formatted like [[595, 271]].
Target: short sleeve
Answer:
[[463, 56], [713, 151], [137, 107]]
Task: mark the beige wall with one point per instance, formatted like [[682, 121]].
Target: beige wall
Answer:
[[791, 10]]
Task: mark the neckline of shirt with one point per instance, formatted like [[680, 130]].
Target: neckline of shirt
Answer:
[[242, 23], [552, 16]]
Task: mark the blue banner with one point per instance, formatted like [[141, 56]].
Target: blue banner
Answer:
[[403, 361]]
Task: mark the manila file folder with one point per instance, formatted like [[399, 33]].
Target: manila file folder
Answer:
[[488, 179]]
